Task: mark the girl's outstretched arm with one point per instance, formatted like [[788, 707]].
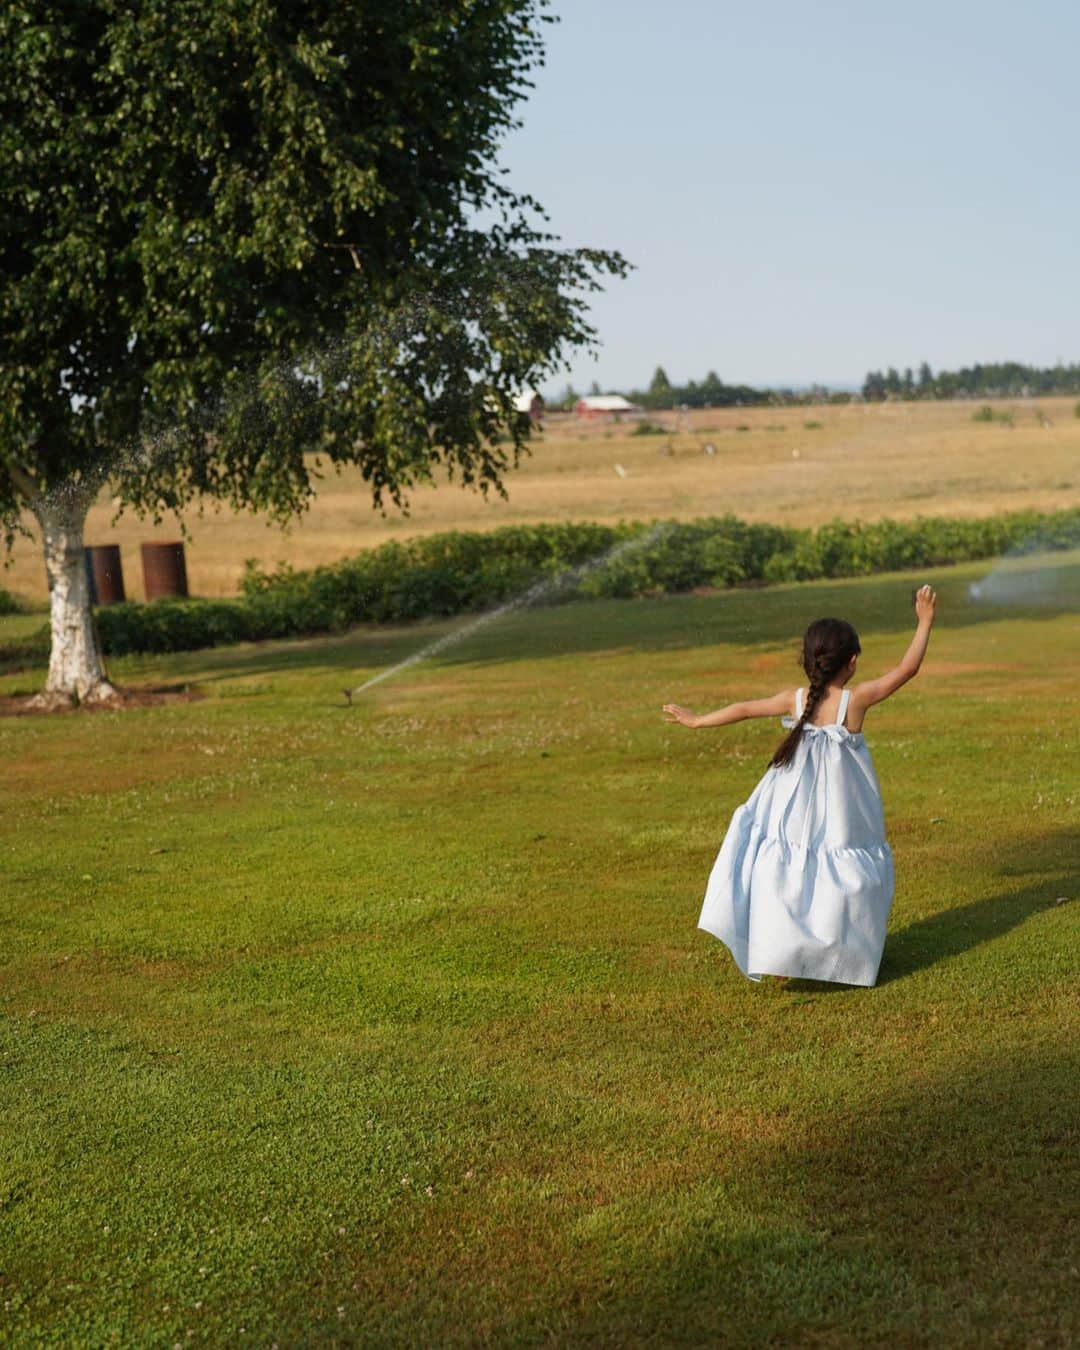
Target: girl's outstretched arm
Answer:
[[776, 706], [875, 691]]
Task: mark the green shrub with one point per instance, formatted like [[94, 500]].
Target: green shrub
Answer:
[[813, 426], [457, 572], [20, 652], [8, 603], [987, 414], [647, 428], [175, 625], [1076, 410]]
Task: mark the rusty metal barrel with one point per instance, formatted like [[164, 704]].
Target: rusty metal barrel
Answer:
[[164, 570], [105, 573]]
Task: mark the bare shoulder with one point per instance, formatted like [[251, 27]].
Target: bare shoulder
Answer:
[[860, 695], [864, 696]]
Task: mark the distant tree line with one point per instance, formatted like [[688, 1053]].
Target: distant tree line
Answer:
[[997, 379], [1000, 379], [711, 392]]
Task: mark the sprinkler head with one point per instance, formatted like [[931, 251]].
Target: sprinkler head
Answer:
[[348, 696]]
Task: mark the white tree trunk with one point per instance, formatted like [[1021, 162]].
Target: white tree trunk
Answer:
[[75, 670]]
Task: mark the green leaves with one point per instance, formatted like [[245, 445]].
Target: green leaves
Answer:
[[237, 231]]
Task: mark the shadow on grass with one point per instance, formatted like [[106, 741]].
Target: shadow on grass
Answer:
[[953, 931], [937, 1205], [940, 936], [924, 1209], [1053, 856]]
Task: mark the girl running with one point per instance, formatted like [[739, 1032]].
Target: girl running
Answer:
[[803, 882]]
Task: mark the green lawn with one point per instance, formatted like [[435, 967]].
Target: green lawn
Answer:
[[392, 1025]]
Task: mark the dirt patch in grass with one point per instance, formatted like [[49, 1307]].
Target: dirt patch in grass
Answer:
[[138, 696], [779, 660]]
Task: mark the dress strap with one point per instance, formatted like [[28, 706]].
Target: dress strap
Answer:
[[841, 712], [798, 704]]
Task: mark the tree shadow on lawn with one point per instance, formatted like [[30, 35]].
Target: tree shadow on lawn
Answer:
[[777, 614], [923, 1209], [914, 1209]]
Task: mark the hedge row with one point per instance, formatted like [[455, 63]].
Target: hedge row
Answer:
[[23, 652], [457, 572]]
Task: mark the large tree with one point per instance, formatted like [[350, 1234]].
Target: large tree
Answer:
[[235, 232]]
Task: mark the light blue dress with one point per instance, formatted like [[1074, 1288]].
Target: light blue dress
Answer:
[[804, 881]]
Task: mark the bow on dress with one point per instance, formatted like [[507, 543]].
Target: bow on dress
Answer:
[[834, 732]]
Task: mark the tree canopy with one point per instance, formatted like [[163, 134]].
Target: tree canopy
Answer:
[[236, 231]]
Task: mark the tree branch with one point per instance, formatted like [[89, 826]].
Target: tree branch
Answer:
[[352, 253]]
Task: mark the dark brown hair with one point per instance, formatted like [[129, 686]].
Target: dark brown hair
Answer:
[[828, 645]]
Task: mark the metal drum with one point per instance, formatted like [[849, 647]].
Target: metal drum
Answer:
[[105, 573], [164, 571]]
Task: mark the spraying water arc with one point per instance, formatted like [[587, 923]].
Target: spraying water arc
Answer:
[[1029, 576], [536, 593]]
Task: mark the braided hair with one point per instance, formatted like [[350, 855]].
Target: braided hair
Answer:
[[828, 645]]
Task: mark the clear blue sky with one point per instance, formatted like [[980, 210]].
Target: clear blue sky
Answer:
[[811, 190]]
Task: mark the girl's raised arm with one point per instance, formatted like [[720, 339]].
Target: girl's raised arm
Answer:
[[876, 691], [776, 706]]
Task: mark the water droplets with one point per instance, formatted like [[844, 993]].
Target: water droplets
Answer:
[[537, 593]]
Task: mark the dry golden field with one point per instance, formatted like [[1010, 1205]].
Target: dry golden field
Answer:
[[792, 465]]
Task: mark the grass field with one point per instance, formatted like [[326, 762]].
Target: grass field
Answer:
[[796, 466], [392, 1025]]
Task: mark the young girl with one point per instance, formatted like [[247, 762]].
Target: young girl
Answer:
[[803, 882]]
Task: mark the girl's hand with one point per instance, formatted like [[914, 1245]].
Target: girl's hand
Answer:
[[925, 604], [676, 713]]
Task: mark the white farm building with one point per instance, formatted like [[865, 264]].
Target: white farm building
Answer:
[[606, 405], [530, 404]]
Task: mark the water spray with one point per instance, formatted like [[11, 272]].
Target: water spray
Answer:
[[1029, 575], [535, 594]]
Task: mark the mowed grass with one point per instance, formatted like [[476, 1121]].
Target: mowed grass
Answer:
[[392, 1025], [792, 466]]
